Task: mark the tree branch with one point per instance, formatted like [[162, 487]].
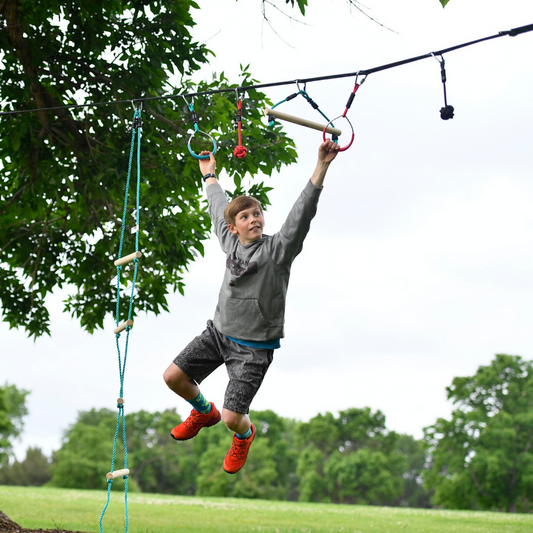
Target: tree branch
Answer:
[[17, 195], [168, 122], [476, 482], [11, 13]]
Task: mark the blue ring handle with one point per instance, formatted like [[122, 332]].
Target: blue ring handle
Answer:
[[196, 156]]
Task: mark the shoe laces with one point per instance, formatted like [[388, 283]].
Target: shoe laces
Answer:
[[195, 420], [239, 447]]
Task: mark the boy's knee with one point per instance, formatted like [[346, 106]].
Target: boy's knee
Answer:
[[234, 421], [229, 418], [173, 375]]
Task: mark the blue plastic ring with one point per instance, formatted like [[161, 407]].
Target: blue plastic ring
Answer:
[[196, 156]]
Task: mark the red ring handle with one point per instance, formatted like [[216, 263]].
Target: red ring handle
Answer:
[[353, 133]]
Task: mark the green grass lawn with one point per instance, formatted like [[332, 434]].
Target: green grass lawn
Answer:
[[80, 510]]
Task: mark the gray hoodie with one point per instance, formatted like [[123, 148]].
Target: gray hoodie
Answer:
[[251, 303]]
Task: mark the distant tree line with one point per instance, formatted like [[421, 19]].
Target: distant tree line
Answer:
[[480, 459]]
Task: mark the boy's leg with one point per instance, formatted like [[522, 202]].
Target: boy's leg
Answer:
[[199, 358], [180, 383], [186, 387], [203, 414], [242, 440], [246, 369], [236, 422]]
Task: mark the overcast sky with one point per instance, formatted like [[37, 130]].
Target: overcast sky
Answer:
[[418, 264]]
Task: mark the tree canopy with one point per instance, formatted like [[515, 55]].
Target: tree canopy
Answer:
[[64, 168], [482, 458], [12, 412], [351, 458], [361, 462]]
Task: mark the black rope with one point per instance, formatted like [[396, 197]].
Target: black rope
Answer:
[[511, 33]]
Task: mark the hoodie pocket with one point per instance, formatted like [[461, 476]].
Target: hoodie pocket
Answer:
[[242, 318]]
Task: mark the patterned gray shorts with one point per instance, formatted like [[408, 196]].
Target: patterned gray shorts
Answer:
[[246, 366]]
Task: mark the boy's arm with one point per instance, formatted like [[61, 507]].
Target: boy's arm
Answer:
[[326, 154], [288, 242], [217, 200], [208, 166]]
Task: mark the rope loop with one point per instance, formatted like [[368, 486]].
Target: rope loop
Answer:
[[197, 156], [194, 117], [353, 133]]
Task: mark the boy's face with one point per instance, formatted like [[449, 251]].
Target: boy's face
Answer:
[[248, 225]]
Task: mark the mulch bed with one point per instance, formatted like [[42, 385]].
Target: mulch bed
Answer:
[[8, 526]]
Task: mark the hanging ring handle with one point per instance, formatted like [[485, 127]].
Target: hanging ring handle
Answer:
[[198, 130], [197, 156], [353, 133]]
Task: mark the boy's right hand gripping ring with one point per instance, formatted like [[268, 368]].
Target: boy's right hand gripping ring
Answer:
[[213, 151], [353, 133]]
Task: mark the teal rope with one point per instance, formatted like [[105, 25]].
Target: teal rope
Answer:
[[311, 102], [307, 97], [194, 118], [121, 419]]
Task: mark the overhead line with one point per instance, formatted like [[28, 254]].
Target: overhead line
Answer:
[[366, 72]]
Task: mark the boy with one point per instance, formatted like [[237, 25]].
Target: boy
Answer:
[[249, 317]]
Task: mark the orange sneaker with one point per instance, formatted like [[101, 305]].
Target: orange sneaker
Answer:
[[238, 453], [195, 422]]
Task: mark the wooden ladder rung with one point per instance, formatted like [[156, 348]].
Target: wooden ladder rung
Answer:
[[117, 473], [128, 258], [123, 326]]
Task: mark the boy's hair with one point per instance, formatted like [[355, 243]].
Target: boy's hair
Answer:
[[239, 204]]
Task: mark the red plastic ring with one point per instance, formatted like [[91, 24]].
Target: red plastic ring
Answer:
[[353, 133]]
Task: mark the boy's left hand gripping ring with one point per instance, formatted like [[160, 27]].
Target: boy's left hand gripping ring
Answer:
[[213, 151]]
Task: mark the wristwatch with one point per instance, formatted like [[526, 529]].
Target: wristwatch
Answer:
[[210, 175]]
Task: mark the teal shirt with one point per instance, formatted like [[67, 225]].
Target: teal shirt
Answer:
[[267, 345]]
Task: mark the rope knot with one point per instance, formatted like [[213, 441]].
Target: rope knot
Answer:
[[240, 151], [446, 112]]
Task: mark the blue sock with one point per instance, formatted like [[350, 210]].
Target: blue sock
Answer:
[[244, 435], [200, 404]]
